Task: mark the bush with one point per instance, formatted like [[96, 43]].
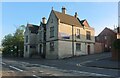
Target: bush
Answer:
[[116, 44]]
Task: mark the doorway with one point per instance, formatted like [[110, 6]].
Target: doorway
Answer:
[[88, 49]]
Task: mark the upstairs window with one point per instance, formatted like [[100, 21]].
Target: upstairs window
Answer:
[[51, 32], [78, 33], [26, 39], [105, 37], [40, 35], [88, 35]]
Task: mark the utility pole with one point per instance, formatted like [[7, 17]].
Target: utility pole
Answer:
[[72, 41]]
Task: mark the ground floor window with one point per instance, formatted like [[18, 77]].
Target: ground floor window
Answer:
[[51, 46], [78, 47], [32, 46]]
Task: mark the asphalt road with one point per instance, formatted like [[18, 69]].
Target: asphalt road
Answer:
[[38, 68]]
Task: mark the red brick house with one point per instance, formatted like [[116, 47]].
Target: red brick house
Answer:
[[107, 37]]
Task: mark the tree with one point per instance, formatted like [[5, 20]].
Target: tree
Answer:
[[14, 44], [7, 43]]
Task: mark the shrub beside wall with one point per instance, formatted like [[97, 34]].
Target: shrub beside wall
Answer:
[[116, 50]]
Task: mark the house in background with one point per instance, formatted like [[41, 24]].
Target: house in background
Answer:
[[106, 38], [61, 36]]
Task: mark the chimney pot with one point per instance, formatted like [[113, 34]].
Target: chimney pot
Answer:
[[76, 14], [64, 10], [44, 20]]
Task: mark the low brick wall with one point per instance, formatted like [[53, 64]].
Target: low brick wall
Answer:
[[99, 47]]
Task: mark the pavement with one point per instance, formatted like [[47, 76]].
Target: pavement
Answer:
[[106, 63]]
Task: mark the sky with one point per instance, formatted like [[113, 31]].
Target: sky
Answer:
[[98, 14]]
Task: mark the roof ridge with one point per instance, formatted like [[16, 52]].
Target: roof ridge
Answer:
[[66, 18], [111, 30], [64, 14]]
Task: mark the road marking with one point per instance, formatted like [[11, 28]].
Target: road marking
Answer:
[[3, 63], [74, 71], [85, 62], [33, 71], [16, 68], [48, 73], [78, 65], [36, 76], [25, 62], [97, 74], [40, 71]]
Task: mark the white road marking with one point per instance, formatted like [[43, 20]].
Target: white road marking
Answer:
[[47, 73], [16, 68], [25, 62], [41, 71], [36, 76], [97, 74], [85, 62], [3, 63], [33, 71]]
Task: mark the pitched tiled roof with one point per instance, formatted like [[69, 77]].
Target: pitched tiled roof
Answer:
[[111, 30], [33, 28], [84, 23], [67, 19]]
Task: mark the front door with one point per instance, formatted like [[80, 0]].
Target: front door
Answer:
[[88, 49]]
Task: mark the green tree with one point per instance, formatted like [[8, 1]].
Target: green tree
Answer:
[[7, 43], [14, 44], [19, 40]]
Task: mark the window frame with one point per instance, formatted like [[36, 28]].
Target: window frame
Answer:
[[26, 39], [88, 35], [51, 31], [52, 46], [78, 46], [78, 34]]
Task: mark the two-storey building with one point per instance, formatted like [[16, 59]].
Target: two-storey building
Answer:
[[62, 36], [68, 36]]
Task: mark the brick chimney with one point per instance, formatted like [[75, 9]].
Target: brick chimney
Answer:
[[76, 15], [44, 20], [64, 10]]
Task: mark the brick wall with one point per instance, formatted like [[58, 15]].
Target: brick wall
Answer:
[[99, 47]]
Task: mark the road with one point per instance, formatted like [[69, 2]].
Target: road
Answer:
[[38, 68]]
